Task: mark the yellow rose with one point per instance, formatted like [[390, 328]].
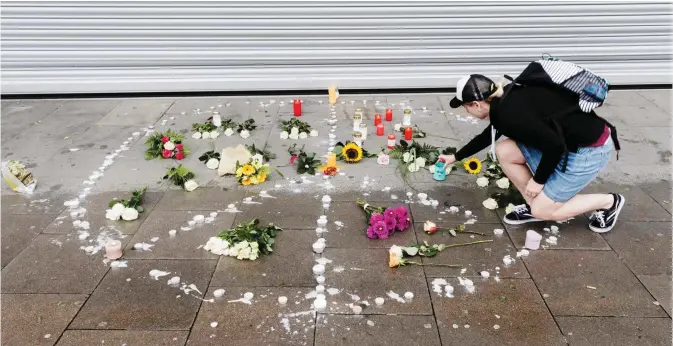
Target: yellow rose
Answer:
[[394, 261]]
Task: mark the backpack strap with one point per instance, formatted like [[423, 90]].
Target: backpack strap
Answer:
[[559, 130]]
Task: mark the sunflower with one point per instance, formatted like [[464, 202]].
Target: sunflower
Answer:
[[472, 165], [351, 153], [248, 169]]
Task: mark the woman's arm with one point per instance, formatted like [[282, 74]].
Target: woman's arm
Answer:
[[477, 144]]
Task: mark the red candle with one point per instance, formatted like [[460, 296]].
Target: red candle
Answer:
[[408, 133], [377, 119], [391, 141], [297, 108], [379, 129], [389, 114]]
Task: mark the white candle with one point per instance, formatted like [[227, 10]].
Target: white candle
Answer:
[[532, 240], [409, 296], [363, 131], [320, 288], [318, 269], [320, 304], [282, 300], [113, 249], [379, 301], [318, 247], [218, 293], [320, 279]]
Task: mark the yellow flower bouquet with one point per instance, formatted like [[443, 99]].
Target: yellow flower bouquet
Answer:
[[254, 172]]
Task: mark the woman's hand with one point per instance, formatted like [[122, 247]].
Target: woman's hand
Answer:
[[533, 189], [448, 159]]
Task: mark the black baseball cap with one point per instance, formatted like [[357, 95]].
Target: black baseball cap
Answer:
[[471, 88]]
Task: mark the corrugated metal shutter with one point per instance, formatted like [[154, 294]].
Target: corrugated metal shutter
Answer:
[[84, 47]]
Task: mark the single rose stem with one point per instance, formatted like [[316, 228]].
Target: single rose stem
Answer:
[[472, 232], [470, 243], [437, 265]]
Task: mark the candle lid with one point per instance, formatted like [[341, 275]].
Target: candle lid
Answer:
[[357, 134], [363, 126], [407, 111], [357, 116], [391, 136]]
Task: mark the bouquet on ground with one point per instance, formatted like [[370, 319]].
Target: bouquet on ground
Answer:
[[167, 145], [18, 177], [127, 210], [254, 172], [266, 154], [243, 129], [205, 130], [306, 163], [296, 129], [350, 152], [245, 241], [384, 222], [397, 254], [181, 176], [414, 156], [211, 159], [494, 173]]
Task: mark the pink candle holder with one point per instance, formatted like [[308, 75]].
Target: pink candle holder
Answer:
[[113, 249]]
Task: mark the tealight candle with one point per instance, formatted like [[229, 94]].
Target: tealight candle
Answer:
[[320, 279], [318, 269], [379, 301], [282, 300], [113, 249], [218, 293], [409, 296], [320, 288], [326, 199], [318, 247], [320, 304]]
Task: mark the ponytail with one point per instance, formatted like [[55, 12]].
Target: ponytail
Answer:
[[499, 90]]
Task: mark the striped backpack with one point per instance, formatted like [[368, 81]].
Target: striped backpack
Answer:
[[590, 88]]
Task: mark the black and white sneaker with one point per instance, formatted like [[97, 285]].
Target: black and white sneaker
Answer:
[[604, 220], [520, 215]]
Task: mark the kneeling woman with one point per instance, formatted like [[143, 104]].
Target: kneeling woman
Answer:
[[533, 155]]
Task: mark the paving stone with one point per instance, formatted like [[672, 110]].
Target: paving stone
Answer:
[[654, 181], [285, 211], [661, 98], [20, 115], [122, 337], [137, 112], [644, 246], [186, 244], [462, 198], [264, 321], [200, 199], [144, 303], [18, 231], [131, 171], [13, 203], [353, 233], [639, 206], [514, 305], [660, 288], [54, 264], [365, 274], [378, 194], [567, 281], [190, 104], [473, 258], [376, 330], [640, 115], [37, 319], [573, 235], [291, 247], [616, 330]]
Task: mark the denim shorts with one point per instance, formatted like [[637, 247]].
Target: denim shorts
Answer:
[[583, 167]]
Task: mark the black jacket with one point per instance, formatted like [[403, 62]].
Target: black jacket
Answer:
[[523, 117]]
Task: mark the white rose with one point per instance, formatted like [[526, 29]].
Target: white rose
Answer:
[[509, 208], [196, 135], [406, 157], [398, 127], [413, 167], [191, 185], [482, 181], [130, 214], [214, 134], [420, 161], [257, 158], [213, 163], [429, 227], [294, 131], [396, 251], [314, 133], [228, 132], [503, 183], [432, 169], [245, 134], [294, 136], [113, 215], [284, 135], [119, 208], [205, 135], [169, 145], [254, 255], [490, 204], [303, 135]]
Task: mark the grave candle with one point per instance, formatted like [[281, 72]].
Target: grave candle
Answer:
[[331, 160], [389, 114], [406, 119], [377, 119], [357, 138], [357, 120], [363, 131], [113, 249], [297, 107], [408, 133], [379, 129], [391, 141]]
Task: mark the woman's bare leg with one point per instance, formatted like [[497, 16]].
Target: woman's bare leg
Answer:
[[546, 209], [514, 166]]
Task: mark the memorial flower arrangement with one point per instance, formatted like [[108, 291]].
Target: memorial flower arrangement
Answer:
[[18, 177], [247, 240], [266, 154], [166, 145], [204, 130], [296, 129], [306, 162], [397, 254], [181, 176], [127, 210], [211, 159], [350, 152], [254, 172], [384, 222]]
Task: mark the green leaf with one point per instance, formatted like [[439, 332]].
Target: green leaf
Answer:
[[140, 209], [453, 232]]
